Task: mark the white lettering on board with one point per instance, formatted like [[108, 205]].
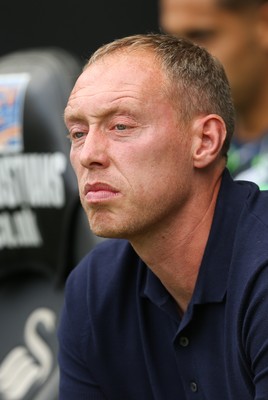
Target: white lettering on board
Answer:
[[19, 229], [32, 179]]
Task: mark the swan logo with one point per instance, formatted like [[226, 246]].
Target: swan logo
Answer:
[[30, 366]]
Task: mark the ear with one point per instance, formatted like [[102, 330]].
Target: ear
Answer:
[[209, 136], [263, 25]]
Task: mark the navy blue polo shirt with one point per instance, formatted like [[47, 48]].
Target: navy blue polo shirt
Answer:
[[121, 336]]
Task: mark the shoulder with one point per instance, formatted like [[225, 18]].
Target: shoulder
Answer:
[[99, 278], [259, 205], [240, 229], [242, 210], [107, 269], [249, 257], [254, 217], [245, 200], [108, 257]]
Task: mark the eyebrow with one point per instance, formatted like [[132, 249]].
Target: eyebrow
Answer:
[[77, 116], [71, 117]]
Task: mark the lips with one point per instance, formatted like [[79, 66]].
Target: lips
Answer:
[[97, 192]]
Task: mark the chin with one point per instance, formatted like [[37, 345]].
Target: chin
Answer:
[[111, 225], [106, 228], [108, 232]]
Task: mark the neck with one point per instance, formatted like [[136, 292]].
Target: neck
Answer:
[[175, 252]]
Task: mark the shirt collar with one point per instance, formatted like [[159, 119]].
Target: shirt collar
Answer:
[[213, 274]]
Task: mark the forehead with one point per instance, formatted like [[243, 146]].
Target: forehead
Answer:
[[122, 67], [193, 5], [178, 13], [116, 78]]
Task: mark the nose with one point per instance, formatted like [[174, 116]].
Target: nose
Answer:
[[94, 153]]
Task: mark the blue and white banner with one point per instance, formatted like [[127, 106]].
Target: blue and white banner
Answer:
[[12, 96]]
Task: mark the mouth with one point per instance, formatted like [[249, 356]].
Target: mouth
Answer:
[[99, 192]]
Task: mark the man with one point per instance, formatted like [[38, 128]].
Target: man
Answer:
[[178, 309], [236, 32]]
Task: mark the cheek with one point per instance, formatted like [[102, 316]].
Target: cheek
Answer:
[[158, 167], [74, 160], [72, 156]]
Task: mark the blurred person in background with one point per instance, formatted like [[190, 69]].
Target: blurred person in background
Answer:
[[236, 32]]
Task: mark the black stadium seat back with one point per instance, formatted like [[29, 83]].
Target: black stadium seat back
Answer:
[[43, 230], [38, 195], [29, 310]]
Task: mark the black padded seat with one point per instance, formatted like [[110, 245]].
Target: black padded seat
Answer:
[[43, 230]]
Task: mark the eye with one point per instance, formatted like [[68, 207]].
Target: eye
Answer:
[[78, 135], [120, 127], [73, 136]]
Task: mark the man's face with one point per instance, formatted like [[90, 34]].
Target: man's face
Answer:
[[132, 160], [231, 37]]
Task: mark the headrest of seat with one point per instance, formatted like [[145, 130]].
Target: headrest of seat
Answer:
[[38, 189]]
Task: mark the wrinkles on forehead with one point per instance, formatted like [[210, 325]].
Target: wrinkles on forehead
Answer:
[[123, 102], [113, 82]]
